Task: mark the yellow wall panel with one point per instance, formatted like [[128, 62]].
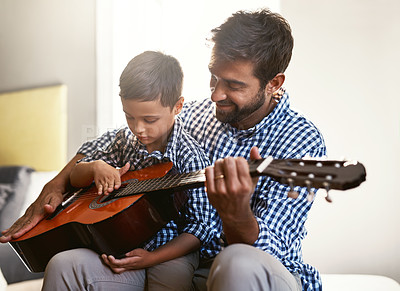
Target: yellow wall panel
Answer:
[[33, 128]]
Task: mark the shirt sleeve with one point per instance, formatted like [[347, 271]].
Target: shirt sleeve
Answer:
[[99, 143], [200, 216], [281, 219], [111, 149], [198, 213]]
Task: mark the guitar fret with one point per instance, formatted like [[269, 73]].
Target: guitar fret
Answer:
[[161, 183]]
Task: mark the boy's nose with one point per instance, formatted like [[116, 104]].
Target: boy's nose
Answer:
[[139, 128]]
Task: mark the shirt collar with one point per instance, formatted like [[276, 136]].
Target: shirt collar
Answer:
[[171, 143], [169, 148]]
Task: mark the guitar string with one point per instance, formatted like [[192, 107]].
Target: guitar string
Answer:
[[149, 185]]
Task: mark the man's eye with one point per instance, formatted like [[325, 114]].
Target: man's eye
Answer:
[[234, 88]]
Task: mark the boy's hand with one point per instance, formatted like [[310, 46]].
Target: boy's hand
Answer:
[[106, 177], [134, 260]]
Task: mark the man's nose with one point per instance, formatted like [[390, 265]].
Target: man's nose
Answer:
[[218, 92]]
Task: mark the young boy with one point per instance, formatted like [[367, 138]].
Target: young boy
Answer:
[[151, 86]]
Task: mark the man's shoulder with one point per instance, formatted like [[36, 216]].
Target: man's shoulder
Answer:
[[301, 137], [292, 134], [186, 147], [183, 138], [198, 103], [195, 107]]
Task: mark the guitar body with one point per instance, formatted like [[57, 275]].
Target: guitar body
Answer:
[[149, 198], [113, 227]]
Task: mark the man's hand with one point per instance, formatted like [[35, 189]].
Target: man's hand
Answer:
[[134, 260], [48, 200], [229, 189], [50, 197]]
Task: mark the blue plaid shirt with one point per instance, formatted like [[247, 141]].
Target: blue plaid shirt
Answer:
[[284, 133], [121, 146]]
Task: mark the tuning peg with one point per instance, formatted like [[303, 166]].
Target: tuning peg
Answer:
[[327, 197], [292, 194], [311, 194]]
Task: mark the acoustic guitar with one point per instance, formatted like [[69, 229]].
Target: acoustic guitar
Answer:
[[149, 198]]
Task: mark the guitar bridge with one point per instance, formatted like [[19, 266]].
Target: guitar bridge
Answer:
[[68, 201]]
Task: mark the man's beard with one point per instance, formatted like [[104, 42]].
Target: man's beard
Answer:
[[237, 115]]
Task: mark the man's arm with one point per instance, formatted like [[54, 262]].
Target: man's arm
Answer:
[[50, 197]]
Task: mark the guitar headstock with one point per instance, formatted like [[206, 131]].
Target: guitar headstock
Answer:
[[311, 173]]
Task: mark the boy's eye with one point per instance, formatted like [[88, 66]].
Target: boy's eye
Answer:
[[150, 120]]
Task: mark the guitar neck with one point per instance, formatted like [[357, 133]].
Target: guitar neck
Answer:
[[315, 173]]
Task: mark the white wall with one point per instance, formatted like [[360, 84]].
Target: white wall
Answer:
[[47, 42], [176, 27], [344, 76]]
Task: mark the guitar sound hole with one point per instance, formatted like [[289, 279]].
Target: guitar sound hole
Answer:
[[130, 181], [98, 202]]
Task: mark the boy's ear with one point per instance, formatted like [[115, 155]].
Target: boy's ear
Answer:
[[178, 105], [275, 83]]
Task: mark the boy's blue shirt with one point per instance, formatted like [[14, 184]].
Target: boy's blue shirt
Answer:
[[181, 149]]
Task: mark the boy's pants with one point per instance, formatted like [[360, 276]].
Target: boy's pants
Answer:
[[237, 267], [82, 269]]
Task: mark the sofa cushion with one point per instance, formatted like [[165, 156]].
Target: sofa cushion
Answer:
[[14, 183]]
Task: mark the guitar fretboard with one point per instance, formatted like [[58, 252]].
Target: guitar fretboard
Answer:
[[167, 182]]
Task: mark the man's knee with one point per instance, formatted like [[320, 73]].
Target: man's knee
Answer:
[[236, 260], [244, 267], [70, 258]]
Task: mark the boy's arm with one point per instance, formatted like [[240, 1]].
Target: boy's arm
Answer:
[[105, 177], [181, 245], [139, 258], [82, 174]]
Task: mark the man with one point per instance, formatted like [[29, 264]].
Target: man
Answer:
[[259, 228]]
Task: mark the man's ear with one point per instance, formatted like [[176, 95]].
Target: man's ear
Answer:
[[178, 105], [275, 83]]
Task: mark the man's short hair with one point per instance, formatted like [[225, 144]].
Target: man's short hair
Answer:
[[263, 37]]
